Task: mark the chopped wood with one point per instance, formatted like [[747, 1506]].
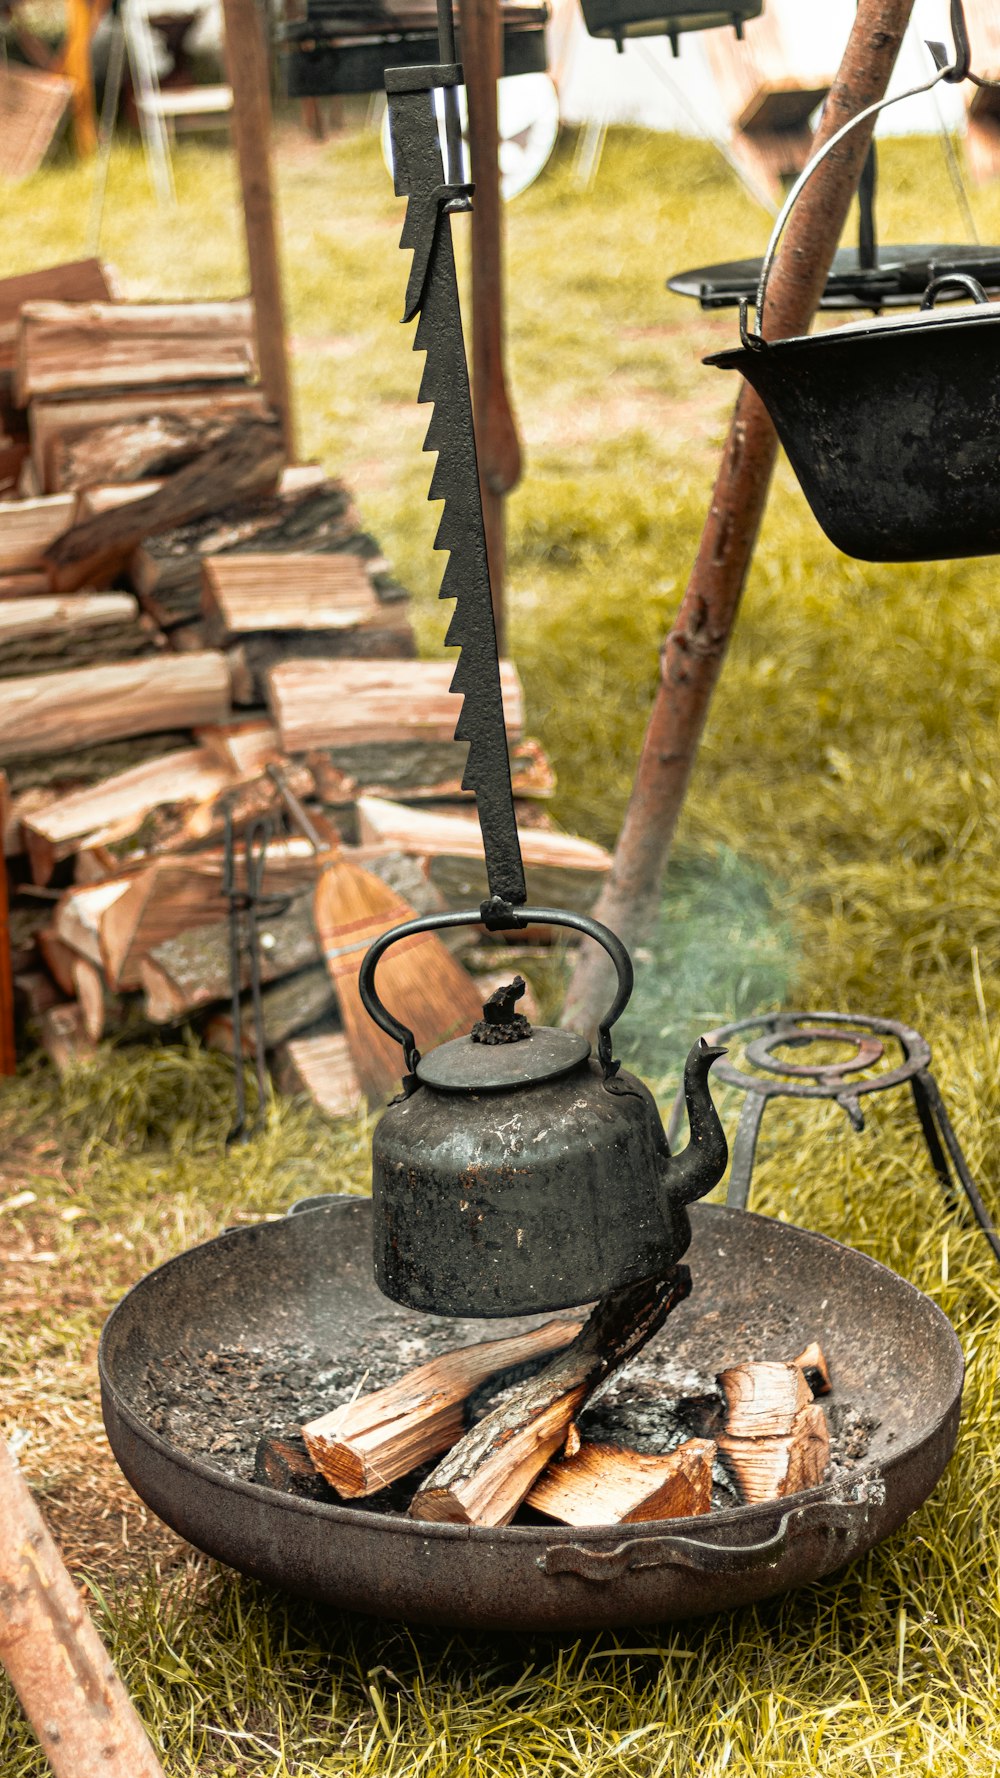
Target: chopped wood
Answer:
[[192, 969], [285, 1464], [90, 993], [61, 712], [50, 631], [92, 501], [763, 1399], [59, 960], [346, 703], [812, 1363], [605, 1485], [299, 515], [368, 1443], [115, 809], [67, 346], [23, 583], [562, 870], [247, 592], [78, 280], [138, 437], [28, 526], [769, 1467], [35, 992], [322, 1068], [487, 1474], [79, 915], [170, 894], [246, 460], [287, 1006], [421, 772], [252, 659], [16, 808], [245, 747], [64, 772], [64, 1037], [54, 1658]]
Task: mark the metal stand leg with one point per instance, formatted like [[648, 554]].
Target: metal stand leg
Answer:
[[957, 1158], [939, 1160], [744, 1150]]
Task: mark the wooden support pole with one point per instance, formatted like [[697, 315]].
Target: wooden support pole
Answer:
[[81, 20], [695, 649], [57, 1664], [496, 431], [247, 66]]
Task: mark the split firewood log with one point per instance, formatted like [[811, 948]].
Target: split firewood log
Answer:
[[320, 1067], [776, 1440], [57, 1664], [366, 1444], [246, 459], [487, 1474], [606, 1485]]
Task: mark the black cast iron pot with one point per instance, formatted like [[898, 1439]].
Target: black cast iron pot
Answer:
[[892, 426], [761, 1289]]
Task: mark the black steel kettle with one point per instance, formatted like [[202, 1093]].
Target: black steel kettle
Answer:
[[519, 1173]]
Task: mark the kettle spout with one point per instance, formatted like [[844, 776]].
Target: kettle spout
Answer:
[[699, 1166]]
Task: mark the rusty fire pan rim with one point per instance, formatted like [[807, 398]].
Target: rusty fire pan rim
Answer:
[[749, 1518]]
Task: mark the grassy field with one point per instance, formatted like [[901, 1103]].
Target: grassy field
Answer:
[[840, 850]]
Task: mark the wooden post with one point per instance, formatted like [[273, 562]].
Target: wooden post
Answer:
[[78, 68], [8, 1047], [496, 431], [57, 1663], [247, 66], [695, 649]]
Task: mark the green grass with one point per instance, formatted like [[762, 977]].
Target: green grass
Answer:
[[839, 849]]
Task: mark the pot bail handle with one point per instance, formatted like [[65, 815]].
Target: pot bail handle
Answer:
[[497, 918], [954, 70], [964, 280]]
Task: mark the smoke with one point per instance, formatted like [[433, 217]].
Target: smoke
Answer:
[[723, 949]]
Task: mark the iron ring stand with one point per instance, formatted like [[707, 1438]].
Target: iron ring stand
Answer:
[[832, 1080]]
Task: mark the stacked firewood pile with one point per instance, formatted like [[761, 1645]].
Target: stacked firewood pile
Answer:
[[180, 613]]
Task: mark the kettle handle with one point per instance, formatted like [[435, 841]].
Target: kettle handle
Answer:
[[520, 917]]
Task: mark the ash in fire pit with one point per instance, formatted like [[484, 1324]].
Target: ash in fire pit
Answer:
[[221, 1405]]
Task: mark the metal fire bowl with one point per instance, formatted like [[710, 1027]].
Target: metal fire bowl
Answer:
[[761, 1290]]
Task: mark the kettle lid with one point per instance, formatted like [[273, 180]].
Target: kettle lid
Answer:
[[502, 1050]]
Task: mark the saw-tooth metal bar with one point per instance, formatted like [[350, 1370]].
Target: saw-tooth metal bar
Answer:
[[432, 292]]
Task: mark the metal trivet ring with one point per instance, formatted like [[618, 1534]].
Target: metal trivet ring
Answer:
[[837, 1081]]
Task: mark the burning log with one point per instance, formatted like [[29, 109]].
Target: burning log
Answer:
[[285, 1464], [366, 1444], [776, 1440], [605, 1485], [487, 1474], [814, 1368]]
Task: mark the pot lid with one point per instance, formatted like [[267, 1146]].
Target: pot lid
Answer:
[[465, 1066], [923, 321], [897, 279]]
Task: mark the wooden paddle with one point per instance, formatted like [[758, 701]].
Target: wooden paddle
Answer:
[[419, 980]]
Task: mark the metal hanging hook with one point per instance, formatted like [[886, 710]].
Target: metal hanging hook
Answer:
[[960, 67]]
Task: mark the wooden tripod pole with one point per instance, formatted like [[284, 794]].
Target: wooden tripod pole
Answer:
[[497, 442], [249, 77], [57, 1663], [693, 653]]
